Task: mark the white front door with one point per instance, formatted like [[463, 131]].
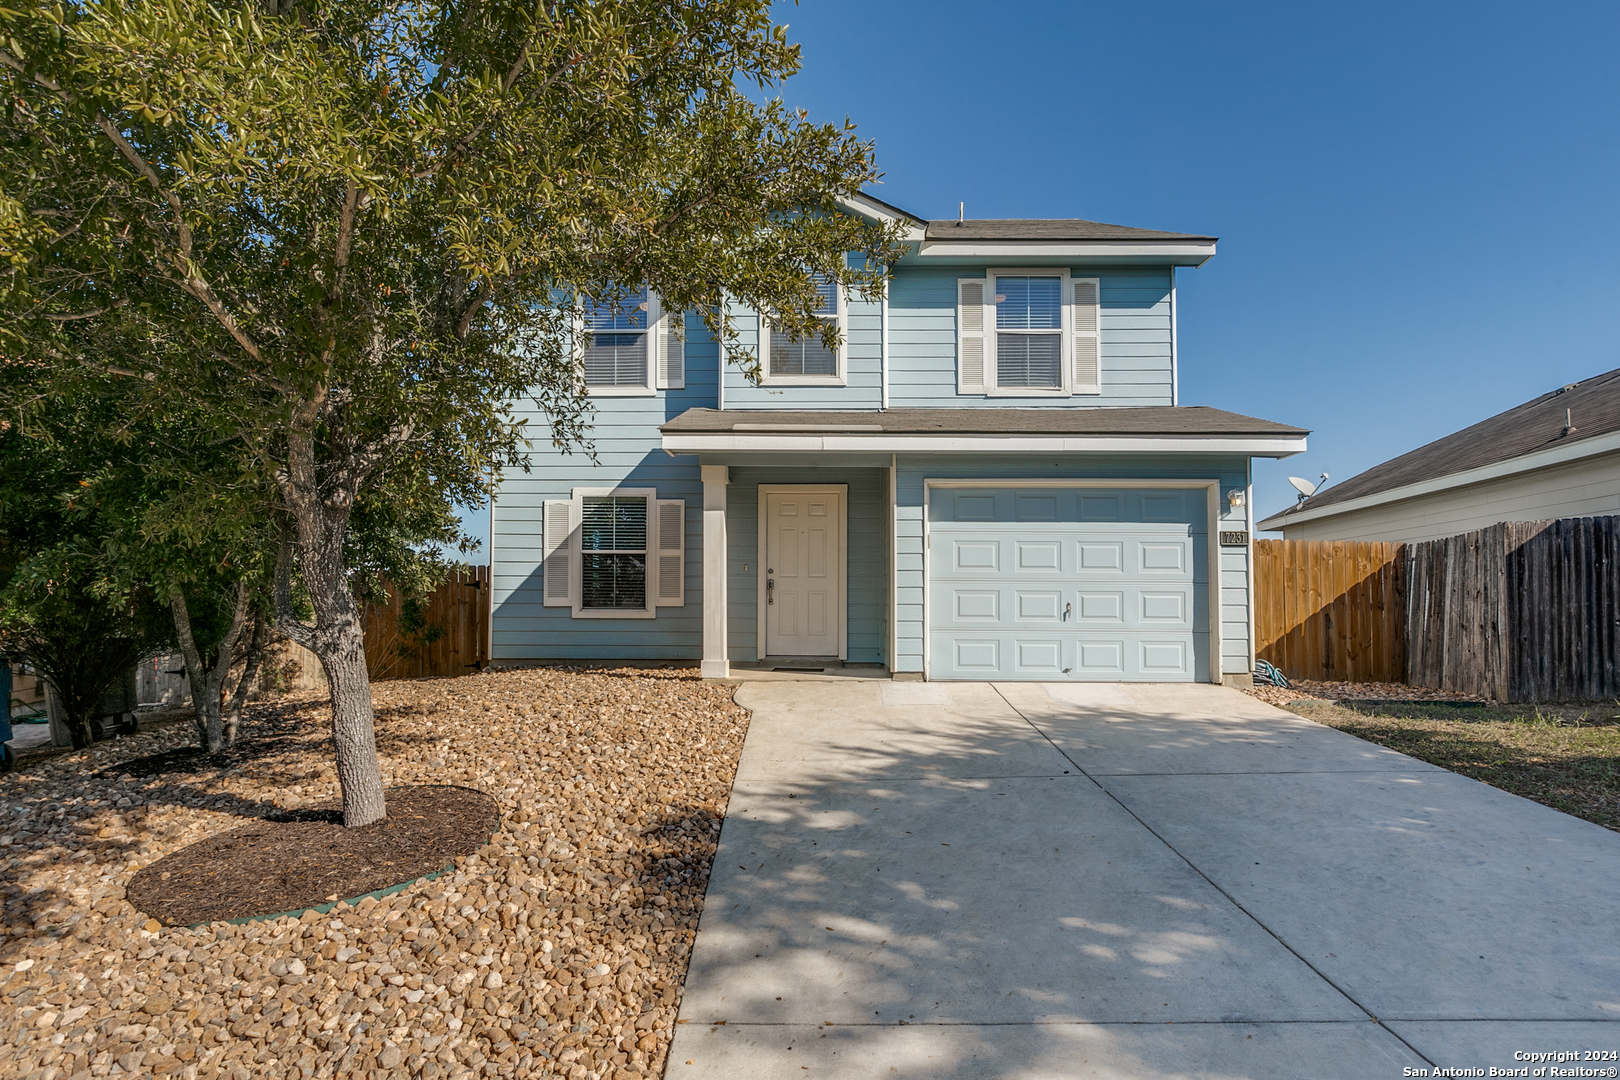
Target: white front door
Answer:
[[804, 571]]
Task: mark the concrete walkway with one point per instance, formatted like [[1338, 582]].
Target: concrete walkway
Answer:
[[924, 880]]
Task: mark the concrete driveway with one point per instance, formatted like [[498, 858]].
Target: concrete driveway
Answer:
[[969, 880]]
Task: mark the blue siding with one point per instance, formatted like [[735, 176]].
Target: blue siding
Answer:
[[863, 369], [626, 441], [910, 580], [1136, 360]]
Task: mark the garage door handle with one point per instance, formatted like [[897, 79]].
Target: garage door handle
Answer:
[[1066, 609]]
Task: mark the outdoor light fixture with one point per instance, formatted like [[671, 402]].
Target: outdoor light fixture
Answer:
[[1234, 498]]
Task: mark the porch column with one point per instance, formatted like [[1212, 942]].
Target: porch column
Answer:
[[716, 665]]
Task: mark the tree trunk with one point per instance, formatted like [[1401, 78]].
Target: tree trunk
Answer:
[[250, 669], [338, 639], [208, 680]]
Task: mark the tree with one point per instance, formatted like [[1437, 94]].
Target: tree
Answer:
[[350, 232], [109, 551], [82, 629]]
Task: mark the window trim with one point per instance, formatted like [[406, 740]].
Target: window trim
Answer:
[[992, 362], [576, 586], [840, 375], [649, 388]]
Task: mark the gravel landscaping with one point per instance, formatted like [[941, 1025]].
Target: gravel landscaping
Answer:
[[559, 949]]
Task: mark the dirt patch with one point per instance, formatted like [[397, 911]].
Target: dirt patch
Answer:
[[1310, 689], [562, 945], [275, 866]]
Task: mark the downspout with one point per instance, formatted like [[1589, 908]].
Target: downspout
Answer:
[[489, 601], [883, 345]]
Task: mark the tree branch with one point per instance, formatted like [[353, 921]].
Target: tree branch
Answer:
[[286, 621]]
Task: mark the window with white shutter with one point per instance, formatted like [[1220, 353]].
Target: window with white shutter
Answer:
[[1085, 322], [557, 570], [613, 553], [617, 343], [671, 568], [607, 557], [970, 335], [1028, 353]]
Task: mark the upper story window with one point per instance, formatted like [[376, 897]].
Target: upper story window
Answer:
[[1028, 333], [632, 347], [806, 360], [616, 355]]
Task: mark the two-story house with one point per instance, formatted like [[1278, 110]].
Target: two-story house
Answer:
[[992, 478]]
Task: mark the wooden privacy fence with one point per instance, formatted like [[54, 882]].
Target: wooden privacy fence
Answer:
[[449, 636], [1520, 611], [1330, 609]]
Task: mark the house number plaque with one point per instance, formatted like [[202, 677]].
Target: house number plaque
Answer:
[[1234, 539]]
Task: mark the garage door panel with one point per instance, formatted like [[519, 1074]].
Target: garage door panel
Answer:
[[1100, 658], [1069, 584], [1035, 507], [1100, 608], [976, 605], [975, 556], [1043, 557], [1165, 658], [976, 657], [1160, 558], [1165, 608], [1039, 657], [1038, 606]]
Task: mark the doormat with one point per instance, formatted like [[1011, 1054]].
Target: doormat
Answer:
[[801, 670]]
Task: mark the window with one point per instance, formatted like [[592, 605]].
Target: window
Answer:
[[1029, 332], [806, 359], [616, 355], [614, 553]]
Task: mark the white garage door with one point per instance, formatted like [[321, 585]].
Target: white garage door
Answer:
[[1069, 583]]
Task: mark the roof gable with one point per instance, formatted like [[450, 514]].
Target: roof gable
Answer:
[[1538, 424]]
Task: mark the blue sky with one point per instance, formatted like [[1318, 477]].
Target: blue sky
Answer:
[[1418, 204]]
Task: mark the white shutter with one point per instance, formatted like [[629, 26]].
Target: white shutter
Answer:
[[558, 569], [970, 336], [669, 576], [1084, 320], [671, 347]]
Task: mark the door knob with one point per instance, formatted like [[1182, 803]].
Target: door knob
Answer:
[[1066, 609], [770, 586]]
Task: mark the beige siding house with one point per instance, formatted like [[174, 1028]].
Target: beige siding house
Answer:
[[1557, 456]]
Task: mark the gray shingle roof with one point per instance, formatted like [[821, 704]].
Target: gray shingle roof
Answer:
[[1047, 229], [1594, 406], [1156, 420]]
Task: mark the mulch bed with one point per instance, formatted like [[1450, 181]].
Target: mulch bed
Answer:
[[308, 858]]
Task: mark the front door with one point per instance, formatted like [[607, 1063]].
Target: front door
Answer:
[[804, 571]]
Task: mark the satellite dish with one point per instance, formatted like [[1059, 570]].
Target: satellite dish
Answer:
[[1305, 488]]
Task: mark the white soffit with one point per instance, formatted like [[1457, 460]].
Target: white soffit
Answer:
[[852, 442]]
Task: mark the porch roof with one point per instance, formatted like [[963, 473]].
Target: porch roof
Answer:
[[1180, 429]]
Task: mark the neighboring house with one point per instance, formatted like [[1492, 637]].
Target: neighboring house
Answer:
[[990, 479], [1557, 456]]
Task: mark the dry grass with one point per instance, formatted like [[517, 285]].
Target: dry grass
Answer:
[[1566, 756]]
